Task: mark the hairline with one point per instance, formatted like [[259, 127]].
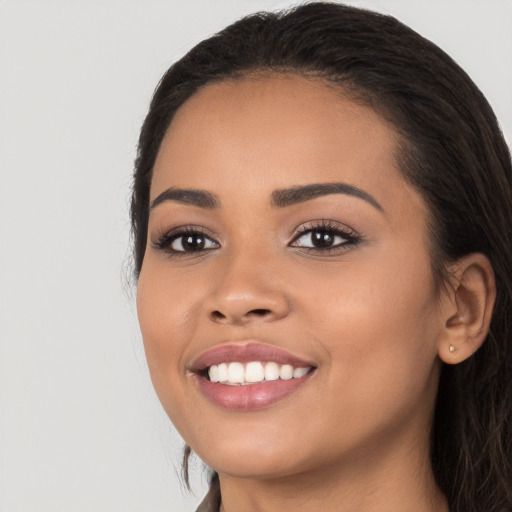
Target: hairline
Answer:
[[349, 90]]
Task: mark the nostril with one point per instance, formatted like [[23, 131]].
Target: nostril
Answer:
[[217, 315], [234, 317], [259, 312]]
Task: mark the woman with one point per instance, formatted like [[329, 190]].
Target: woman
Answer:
[[321, 215]]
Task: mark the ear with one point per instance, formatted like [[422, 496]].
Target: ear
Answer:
[[466, 308]]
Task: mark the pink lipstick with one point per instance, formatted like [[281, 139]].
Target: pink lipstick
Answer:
[[249, 375]]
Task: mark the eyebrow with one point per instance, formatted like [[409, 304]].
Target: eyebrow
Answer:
[[296, 195], [193, 197], [280, 198]]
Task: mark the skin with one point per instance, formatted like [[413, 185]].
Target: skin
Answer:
[[354, 437]]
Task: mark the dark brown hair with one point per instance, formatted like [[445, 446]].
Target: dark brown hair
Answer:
[[453, 153]]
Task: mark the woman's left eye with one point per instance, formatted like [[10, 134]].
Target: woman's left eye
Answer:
[[323, 238]]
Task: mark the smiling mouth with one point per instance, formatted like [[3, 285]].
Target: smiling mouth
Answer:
[[237, 373], [248, 374]]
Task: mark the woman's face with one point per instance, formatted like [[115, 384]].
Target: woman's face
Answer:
[[282, 234]]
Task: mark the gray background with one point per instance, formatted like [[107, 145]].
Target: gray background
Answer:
[[80, 427]]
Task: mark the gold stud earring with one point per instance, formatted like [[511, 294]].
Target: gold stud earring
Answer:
[[452, 348]]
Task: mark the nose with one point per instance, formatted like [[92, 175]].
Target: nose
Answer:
[[246, 291]]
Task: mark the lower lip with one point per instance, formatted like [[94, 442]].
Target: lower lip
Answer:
[[251, 396]]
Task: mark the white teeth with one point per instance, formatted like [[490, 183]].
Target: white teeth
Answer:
[[254, 372], [271, 371], [286, 372], [213, 373], [223, 372], [300, 372], [236, 373]]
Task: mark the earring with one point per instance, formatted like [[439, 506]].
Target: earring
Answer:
[[452, 348]]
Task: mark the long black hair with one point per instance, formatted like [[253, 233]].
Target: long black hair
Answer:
[[452, 152]]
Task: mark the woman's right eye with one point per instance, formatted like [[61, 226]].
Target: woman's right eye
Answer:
[[186, 242]]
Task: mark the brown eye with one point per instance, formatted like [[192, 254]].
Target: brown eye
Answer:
[[185, 240], [191, 242], [320, 239]]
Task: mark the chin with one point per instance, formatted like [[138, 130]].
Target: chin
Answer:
[[251, 454], [255, 467]]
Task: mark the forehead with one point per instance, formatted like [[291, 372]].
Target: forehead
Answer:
[[275, 129]]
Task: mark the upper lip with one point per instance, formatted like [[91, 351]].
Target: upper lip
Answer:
[[245, 352]]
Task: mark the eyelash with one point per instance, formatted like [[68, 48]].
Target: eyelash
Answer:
[[165, 242], [350, 237]]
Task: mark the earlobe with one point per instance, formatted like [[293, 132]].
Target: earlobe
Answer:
[[467, 308]]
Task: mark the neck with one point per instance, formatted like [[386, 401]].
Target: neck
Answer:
[[398, 480]]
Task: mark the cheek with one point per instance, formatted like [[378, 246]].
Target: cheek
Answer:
[[165, 317], [378, 328], [164, 312], [378, 336]]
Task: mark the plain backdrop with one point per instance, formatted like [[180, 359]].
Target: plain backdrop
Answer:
[[81, 429]]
